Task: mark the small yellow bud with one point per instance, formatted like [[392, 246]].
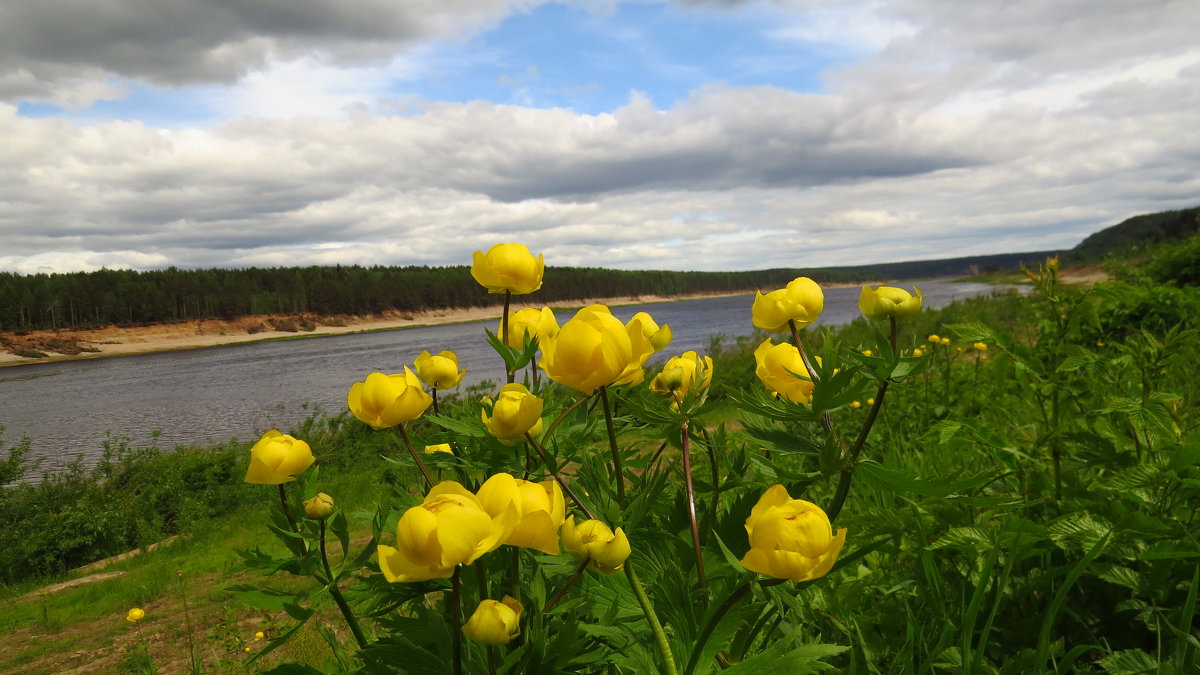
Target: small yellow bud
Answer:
[[867, 352], [247, 650], [259, 636], [855, 404], [870, 401], [319, 507], [935, 339], [945, 341], [980, 346], [918, 352]]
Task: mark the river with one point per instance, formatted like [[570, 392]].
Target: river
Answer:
[[208, 396]]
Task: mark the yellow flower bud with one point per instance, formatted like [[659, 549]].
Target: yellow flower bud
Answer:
[[515, 412], [135, 615], [539, 324], [508, 267], [440, 447], [246, 649], [800, 302], [918, 352], [495, 622], [1052, 265], [259, 636], [867, 352], [447, 529], [779, 367], [870, 401], [277, 458], [680, 373], [790, 538], [541, 507], [319, 507], [945, 341], [888, 301], [593, 541], [980, 346], [934, 339], [594, 349], [855, 404], [384, 401], [439, 372]]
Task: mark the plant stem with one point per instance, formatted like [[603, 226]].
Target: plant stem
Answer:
[[709, 627], [287, 513], [826, 418], [557, 477], [686, 443], [187, 615], [456, 617], [336, 592], [570, 582], [416, 458], [435, 404], [660, 636], [563, 415], [618, 471], [509, 372]]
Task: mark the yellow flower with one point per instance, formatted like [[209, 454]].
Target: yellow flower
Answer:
[[855, 404], [259, 636], [592, 350], [246, 649], [867, 352], [539, 324], [659, 337], [449, 528], [593, 541], [277, 458], [384, 401], [680, 373], [945, 341], [790, 538], [495, 622], [439, 372], [801, 302], [319, 507], [980, 346], [779, 367], [870, 401], [508, 267], [918, 352], [440, 447], [888, 301], [540, 505], [934, 339], [135, 615], [515, 412]]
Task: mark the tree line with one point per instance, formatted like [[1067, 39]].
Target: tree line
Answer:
[[131, 297]]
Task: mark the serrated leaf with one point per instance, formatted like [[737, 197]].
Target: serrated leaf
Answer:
[[1129, 662], [968, 538], [264, 598], [881, 477]]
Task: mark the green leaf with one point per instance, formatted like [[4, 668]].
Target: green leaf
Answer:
[[801, 660], [1129, 662], [264, 598], [887, 479], [968, 538]]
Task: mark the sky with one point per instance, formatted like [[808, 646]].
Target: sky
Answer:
[[647, 134]]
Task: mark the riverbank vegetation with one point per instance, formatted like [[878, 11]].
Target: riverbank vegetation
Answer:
[[1026, 501]]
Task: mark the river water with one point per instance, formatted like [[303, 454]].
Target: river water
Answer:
[[208, 396]]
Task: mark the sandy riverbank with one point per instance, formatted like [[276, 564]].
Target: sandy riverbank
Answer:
[[127, 340]]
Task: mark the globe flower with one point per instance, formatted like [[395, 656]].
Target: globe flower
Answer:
[[495, 622], [918, 352], [515, 413], [384, 401], [536, 324], [888, 301], [592, 350], [934, 339], [593, 541], [440, 447], [540, 505], [680, 373], [277, 458], [855, 404], [259, 636], [508, 268], [945, 341], [439, 372], [135, 615], [779, 368], [659, 337], [800, 302], [790, 538], [980, 346], [448, 528], [319, 507]]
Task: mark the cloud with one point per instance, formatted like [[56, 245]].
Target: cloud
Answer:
[[64, 51], [963, 129]]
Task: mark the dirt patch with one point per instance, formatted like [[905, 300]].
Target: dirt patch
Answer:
[[90, 579]]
